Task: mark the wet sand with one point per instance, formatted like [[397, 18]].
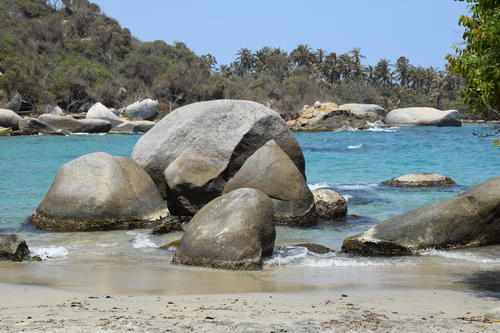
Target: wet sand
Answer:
[[88, 297]]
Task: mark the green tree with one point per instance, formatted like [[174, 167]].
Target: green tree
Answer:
[[478, 62]]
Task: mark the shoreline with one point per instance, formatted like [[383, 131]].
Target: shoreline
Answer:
[[39, 309]]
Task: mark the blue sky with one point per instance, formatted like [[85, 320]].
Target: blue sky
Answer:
[[422, 30]]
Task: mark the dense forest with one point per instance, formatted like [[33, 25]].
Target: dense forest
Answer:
[[69, 53]]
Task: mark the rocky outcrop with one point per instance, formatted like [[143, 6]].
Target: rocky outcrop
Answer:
[[99, 111], [467, 220], [271, 171], [331, 117], [13, 248], [146, 109], [73, 125], [420, 116], [330, 205], [194, 150], [420, 180], [9, 119], [100, 192], [138, 126], [169, 224], [234, 231]]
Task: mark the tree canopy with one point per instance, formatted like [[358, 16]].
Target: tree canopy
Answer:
[[478, 61]]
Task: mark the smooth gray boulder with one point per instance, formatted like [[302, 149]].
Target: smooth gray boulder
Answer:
[[14, 103], [99, 111], [330, 205], [365, 110], [202, 145], [420, 116], [141, 110], [234, 231], [73, 125], [100, 192], [13, 248], [9, 119], [420, 180], [52, 109], [271, 171], [138, 126], [468, 220]]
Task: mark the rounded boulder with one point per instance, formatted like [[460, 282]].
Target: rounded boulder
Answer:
[[100, 192], [234, 231], [420, 180], [330, 205]]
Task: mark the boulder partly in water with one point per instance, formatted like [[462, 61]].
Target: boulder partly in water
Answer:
[[420, 116], [468, 220], [194, 150], [72, 125], [234, 231], [99, 111], [100, 192], [420, 180], [330, 205], [272, 171], [13, 248]]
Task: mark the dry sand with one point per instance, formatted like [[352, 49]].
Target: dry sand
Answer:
[[31, 308]]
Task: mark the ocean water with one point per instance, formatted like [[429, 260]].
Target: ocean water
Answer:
[[351, 162]]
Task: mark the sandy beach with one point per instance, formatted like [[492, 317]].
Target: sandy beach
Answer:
[[31, 308]]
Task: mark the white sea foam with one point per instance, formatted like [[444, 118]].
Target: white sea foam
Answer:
[[358, 186], [379, 126], [141, 240], [313, 187], [107, 244], [354, 147], [300, 256], [462, 255], [348, 197], [49, 252]]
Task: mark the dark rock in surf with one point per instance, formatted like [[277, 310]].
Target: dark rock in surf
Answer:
[[13, 248]]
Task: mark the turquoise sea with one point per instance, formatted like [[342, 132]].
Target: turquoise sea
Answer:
[[352, 162]]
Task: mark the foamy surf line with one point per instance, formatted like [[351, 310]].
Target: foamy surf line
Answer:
[[49, 252], [141, 240], [462, 256], [355, 147], [301, 257]]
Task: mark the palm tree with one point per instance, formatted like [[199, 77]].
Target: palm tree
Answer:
[[210, 60], [357, 69], [302, 55], [382, 73], [402, 70], [245, 61]]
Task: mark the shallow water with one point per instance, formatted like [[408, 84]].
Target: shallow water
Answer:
[[352, 162]]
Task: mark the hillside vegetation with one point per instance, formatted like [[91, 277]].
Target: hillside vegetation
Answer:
[[68, 53]]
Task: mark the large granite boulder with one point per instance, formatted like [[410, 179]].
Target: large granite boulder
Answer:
[[420, 180], [233, 231], [14, 103], [194, 150], [420, 116], [73, 125], [33, 126], [13, 248], [469, 219], [272, 171], [100, 192], [330, 205], [141, 110], [99, 111], [372, 111], [9, 119]]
